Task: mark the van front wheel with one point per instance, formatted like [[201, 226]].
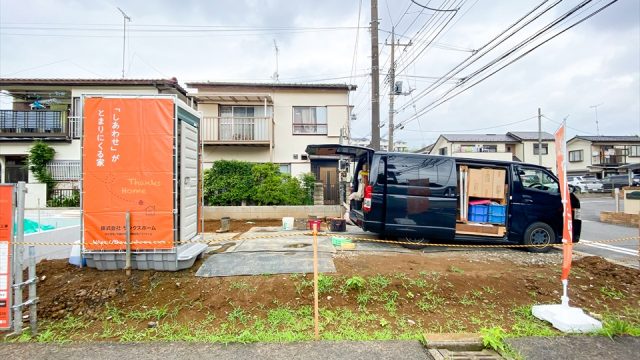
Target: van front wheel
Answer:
[[414, 243], [541, 235]]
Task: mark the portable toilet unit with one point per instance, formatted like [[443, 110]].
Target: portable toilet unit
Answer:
[[140, 160]]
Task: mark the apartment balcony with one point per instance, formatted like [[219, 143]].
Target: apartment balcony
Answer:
[[227, 131], [34, 124], [609, 160]]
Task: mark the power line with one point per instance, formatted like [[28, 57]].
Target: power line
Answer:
[[442, 99], [478, 54], [477, 129], [433, 9]]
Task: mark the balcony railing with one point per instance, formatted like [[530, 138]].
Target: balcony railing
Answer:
[[237, 130], [612, 160], [64, 170], [75, 127], [33, 124]]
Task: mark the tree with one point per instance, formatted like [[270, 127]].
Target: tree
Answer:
[[39, 156]]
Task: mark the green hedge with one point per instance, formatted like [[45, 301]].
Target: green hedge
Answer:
[[232, 182]]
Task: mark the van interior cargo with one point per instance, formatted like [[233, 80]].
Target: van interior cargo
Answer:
[[482, 201]]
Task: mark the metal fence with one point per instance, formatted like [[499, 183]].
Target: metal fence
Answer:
[[33, 123], [64, 170]]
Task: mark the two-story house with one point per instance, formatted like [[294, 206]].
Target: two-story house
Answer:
[[49, 110], [512, 146], [274, 122], [602, 155]]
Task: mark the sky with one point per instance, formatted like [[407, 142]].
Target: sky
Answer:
[[594, 66]]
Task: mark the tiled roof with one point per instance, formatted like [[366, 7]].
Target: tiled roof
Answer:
[[605, 138], [173, 82], [530, 135], [271, 85], [479, 138]]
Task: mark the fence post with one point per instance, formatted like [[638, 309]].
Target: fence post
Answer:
[[315, 283], [18, 251], [616, 193], [127, 225], [33, 299]]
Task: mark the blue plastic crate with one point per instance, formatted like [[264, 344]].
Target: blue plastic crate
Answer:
[[497, 214], [479, 213]]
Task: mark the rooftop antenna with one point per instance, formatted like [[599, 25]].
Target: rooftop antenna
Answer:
[[125, 18], [276, 76], [595, 107]]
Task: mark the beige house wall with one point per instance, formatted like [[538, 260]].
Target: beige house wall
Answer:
[[285, 143], [580, 166]]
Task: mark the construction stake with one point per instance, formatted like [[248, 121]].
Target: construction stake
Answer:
[[315, 282]]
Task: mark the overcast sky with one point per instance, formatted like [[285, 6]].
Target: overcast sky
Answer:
[[595, 63]]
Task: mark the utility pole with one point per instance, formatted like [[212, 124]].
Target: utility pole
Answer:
[[392, 85], [539, 137], [375, 79], [125, 18]]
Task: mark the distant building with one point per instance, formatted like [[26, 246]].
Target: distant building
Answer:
[[399, 146], [512, 146], [602, 155], [49, 110], [274, 122]]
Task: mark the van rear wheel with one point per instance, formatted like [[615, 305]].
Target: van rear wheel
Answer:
[[541, 235], [414, 243]]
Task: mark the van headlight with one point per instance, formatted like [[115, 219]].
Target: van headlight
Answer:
[[577, 214]]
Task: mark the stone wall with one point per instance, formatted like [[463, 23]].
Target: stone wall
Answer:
[[619, 218], [271, 212]]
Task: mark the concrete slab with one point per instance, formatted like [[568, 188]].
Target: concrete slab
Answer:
[[576, 347], [286, 244], [259, 263], [217, 237]]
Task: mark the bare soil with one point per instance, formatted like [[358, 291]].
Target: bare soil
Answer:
[[475, 289], [241, 225]]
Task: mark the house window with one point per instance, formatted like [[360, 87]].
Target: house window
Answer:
[[490, 148], [634, 150], [244, 123], [309, 120], [576, 156], [545, 149], [285, 168], [442, 151]]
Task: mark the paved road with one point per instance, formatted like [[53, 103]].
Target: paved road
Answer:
[[593, 230], [322, 350]]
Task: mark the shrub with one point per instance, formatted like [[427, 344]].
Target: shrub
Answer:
[[40, 154], [231, 182]]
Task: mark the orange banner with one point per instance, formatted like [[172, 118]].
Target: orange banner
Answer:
[[128, 165], [6, 235], [567, 228]]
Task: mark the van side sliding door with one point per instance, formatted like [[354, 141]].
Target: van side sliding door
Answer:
[[421, 197]]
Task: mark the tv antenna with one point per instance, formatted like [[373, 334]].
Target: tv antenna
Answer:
[[125, 19], [276, 76], [595, 107]]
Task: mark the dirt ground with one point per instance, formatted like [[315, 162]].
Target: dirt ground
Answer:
[[241, 225], [457, 290]]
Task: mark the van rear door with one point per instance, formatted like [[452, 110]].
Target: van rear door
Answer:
[[421, 196]]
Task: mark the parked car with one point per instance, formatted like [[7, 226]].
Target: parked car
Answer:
[[615, 182], [417, 198], [583, 184]]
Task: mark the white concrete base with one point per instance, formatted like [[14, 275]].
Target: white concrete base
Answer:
[[566, 318]]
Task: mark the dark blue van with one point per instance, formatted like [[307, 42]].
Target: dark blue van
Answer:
[[419, 198]]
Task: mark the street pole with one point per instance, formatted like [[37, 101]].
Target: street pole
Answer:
[[375, 79], [392, 84], [539, 137]]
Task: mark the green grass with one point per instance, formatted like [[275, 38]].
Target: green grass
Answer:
[[378, 283], [325, 284], [354, 283], [611, 293], [242, 286], [455, 269]]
